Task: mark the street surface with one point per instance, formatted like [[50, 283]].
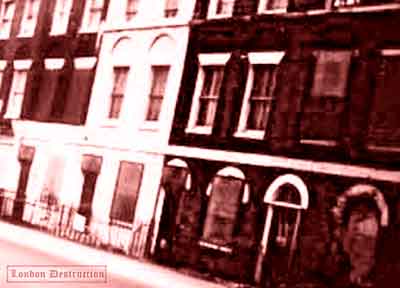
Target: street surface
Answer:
[[23, 246]]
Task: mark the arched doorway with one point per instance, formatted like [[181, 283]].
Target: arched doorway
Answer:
[[175, 180], [360, 213], [286, 198]]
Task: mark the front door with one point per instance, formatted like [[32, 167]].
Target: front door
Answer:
[[19, 204]]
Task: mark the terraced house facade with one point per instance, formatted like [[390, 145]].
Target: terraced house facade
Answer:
[[48, 56], [287, 136], [257, 140], [88, 95]]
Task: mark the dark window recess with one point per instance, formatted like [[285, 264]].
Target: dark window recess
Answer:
[[324, 106], [222, 210], [160, 77], [171, 8], [77, 100], [384, 128], [131, 9], [89, 185], [126, 192], [47, 93]]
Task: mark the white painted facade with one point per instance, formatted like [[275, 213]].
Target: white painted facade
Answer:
[[148, 39]]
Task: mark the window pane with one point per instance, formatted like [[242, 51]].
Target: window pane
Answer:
[[207, 111], [222, 210], [276, 4], [126, 192], [261, 96], [171, 8], [160, 76], [225, 6], [120, 78], [331, 74], [213, 76], [385, 117], [131, 8]]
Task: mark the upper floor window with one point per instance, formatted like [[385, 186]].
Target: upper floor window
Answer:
[[159, 81], [220, 8], [273, 5], [206, 94], [61, 16], [117, 96], [384, 117], [7, 13], [171, 8], [29, 18], [324, 105], [132, 8], [3, 65], [17, 90], [258, 98], [93, 14]]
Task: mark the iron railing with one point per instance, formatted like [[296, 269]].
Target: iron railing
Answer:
[[64, 221]]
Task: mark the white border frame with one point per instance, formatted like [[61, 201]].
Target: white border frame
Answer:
[[217, 59], [272, 57]]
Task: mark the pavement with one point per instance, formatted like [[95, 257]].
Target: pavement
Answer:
[[25, 246]]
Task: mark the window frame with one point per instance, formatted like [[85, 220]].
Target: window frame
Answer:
[[3, 65], [13, 111], [257, 58], [6, 30], [211, 59], [262, 8], [226, 173], [162, 97], [324, 95], [114, 95], [131, 14], [171, 12], [91, 7], [213, 9], [29, 22], [61, 17]]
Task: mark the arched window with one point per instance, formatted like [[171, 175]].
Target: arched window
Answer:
[[121, 55], [286, 198], [161, 57], [226, 191]]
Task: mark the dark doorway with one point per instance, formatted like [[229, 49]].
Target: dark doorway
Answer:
[[89, 185], [19, 204]]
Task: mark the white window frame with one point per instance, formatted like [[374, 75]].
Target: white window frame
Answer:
[[3, 64], [5, 30], [255, 58], [14, 106], [212, 59], [61, 17], [85, 26], [212, 10], [28, 26], [263, 10]]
